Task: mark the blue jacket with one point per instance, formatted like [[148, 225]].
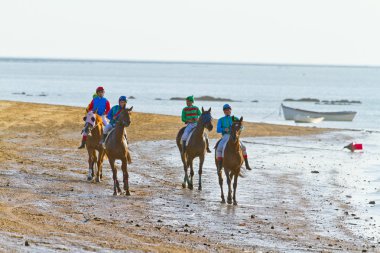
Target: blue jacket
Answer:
[[224, 122], [100, 105], [114, 110]]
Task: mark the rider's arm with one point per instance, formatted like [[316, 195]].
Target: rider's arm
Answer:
[[183, 115], [108, 107], [219, 128], [110, 115], [91, 106]]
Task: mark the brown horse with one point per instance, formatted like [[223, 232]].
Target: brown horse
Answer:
[[94, 130], [232, 161], [117, 149], [196, 147]]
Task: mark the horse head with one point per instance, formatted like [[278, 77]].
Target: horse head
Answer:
[[237, 126], [125, 117], [206, 119], [90, 121]]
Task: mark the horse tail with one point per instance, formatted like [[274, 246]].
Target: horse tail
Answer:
[[129, 159], [242, 172]]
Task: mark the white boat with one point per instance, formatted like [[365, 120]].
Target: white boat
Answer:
[[290, 113], [307, 119]]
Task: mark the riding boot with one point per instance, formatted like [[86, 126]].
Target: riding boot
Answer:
[[83, 145], [207, 146], [183, 147], [247, 164], [220, 164]]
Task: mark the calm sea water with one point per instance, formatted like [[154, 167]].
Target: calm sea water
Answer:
[[73, 83]]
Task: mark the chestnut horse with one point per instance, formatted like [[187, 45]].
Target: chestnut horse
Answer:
[[94, 130], [232, 161], [117, 149], [195, 147]]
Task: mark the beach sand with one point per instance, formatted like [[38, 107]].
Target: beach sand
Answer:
[[46, 201]]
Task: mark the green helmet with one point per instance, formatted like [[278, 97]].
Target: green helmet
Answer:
[[190, 98]]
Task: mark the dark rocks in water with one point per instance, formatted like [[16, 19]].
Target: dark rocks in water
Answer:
[[131, 97], [19, 93], [158, 99], [255, 101], [207, 98], [42, 94], [372, 202], [339, 102], [312, 100], [315, 171], [27, 244]]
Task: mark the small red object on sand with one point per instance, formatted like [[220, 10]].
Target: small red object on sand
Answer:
[[354, 146]]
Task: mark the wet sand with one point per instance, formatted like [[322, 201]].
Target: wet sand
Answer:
[[46, 201]]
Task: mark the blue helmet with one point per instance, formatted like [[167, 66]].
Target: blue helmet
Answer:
[[226, 106], [123, 98]]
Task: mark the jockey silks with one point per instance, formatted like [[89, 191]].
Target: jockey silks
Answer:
[[100, 105], [223, 123], [190, 112]]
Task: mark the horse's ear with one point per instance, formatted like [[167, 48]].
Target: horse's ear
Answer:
[[130, 109], [241, 119], [209, 110], [203, 110]]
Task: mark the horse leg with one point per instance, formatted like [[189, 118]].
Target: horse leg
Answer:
[[190, 183], [100, 164], [220, 176], [228, 176], [125, 176], [95, 158], [201, 161], [235, 186], [114, 176], [185, 178], [102, 160], [90, 165]]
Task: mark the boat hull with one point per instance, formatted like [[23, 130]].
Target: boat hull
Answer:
[[290, 113]]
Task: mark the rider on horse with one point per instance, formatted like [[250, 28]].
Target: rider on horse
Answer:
[[99, 105], [190, 115], [224, 128], [113, 116], [84, 135]]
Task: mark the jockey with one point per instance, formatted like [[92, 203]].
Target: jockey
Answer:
[[100, 105], [190, 115], [84, 135], [224, 127], [113, 116]]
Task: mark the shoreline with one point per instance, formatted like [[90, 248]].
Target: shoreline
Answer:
[[159, 126]]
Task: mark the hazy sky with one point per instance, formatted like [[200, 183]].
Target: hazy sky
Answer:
[[268, 31]]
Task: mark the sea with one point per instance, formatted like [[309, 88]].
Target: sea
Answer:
[[257, 90]]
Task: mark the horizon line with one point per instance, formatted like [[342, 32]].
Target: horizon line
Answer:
[[53, 59]]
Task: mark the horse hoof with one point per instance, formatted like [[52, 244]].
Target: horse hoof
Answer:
[[89, 178], [115, 193], [199, 188], [223, 201], [183, 185], [229, 201], [190, 186], [235, 203], [127, 193], [98, 180]]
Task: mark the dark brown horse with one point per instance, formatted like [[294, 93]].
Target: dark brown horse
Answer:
[[232, 161], [195, 147], [94, 130], [117, 149]]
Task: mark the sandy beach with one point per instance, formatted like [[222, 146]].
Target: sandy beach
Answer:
[[295, 199]]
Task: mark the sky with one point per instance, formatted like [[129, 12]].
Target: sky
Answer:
[[334, 32]]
